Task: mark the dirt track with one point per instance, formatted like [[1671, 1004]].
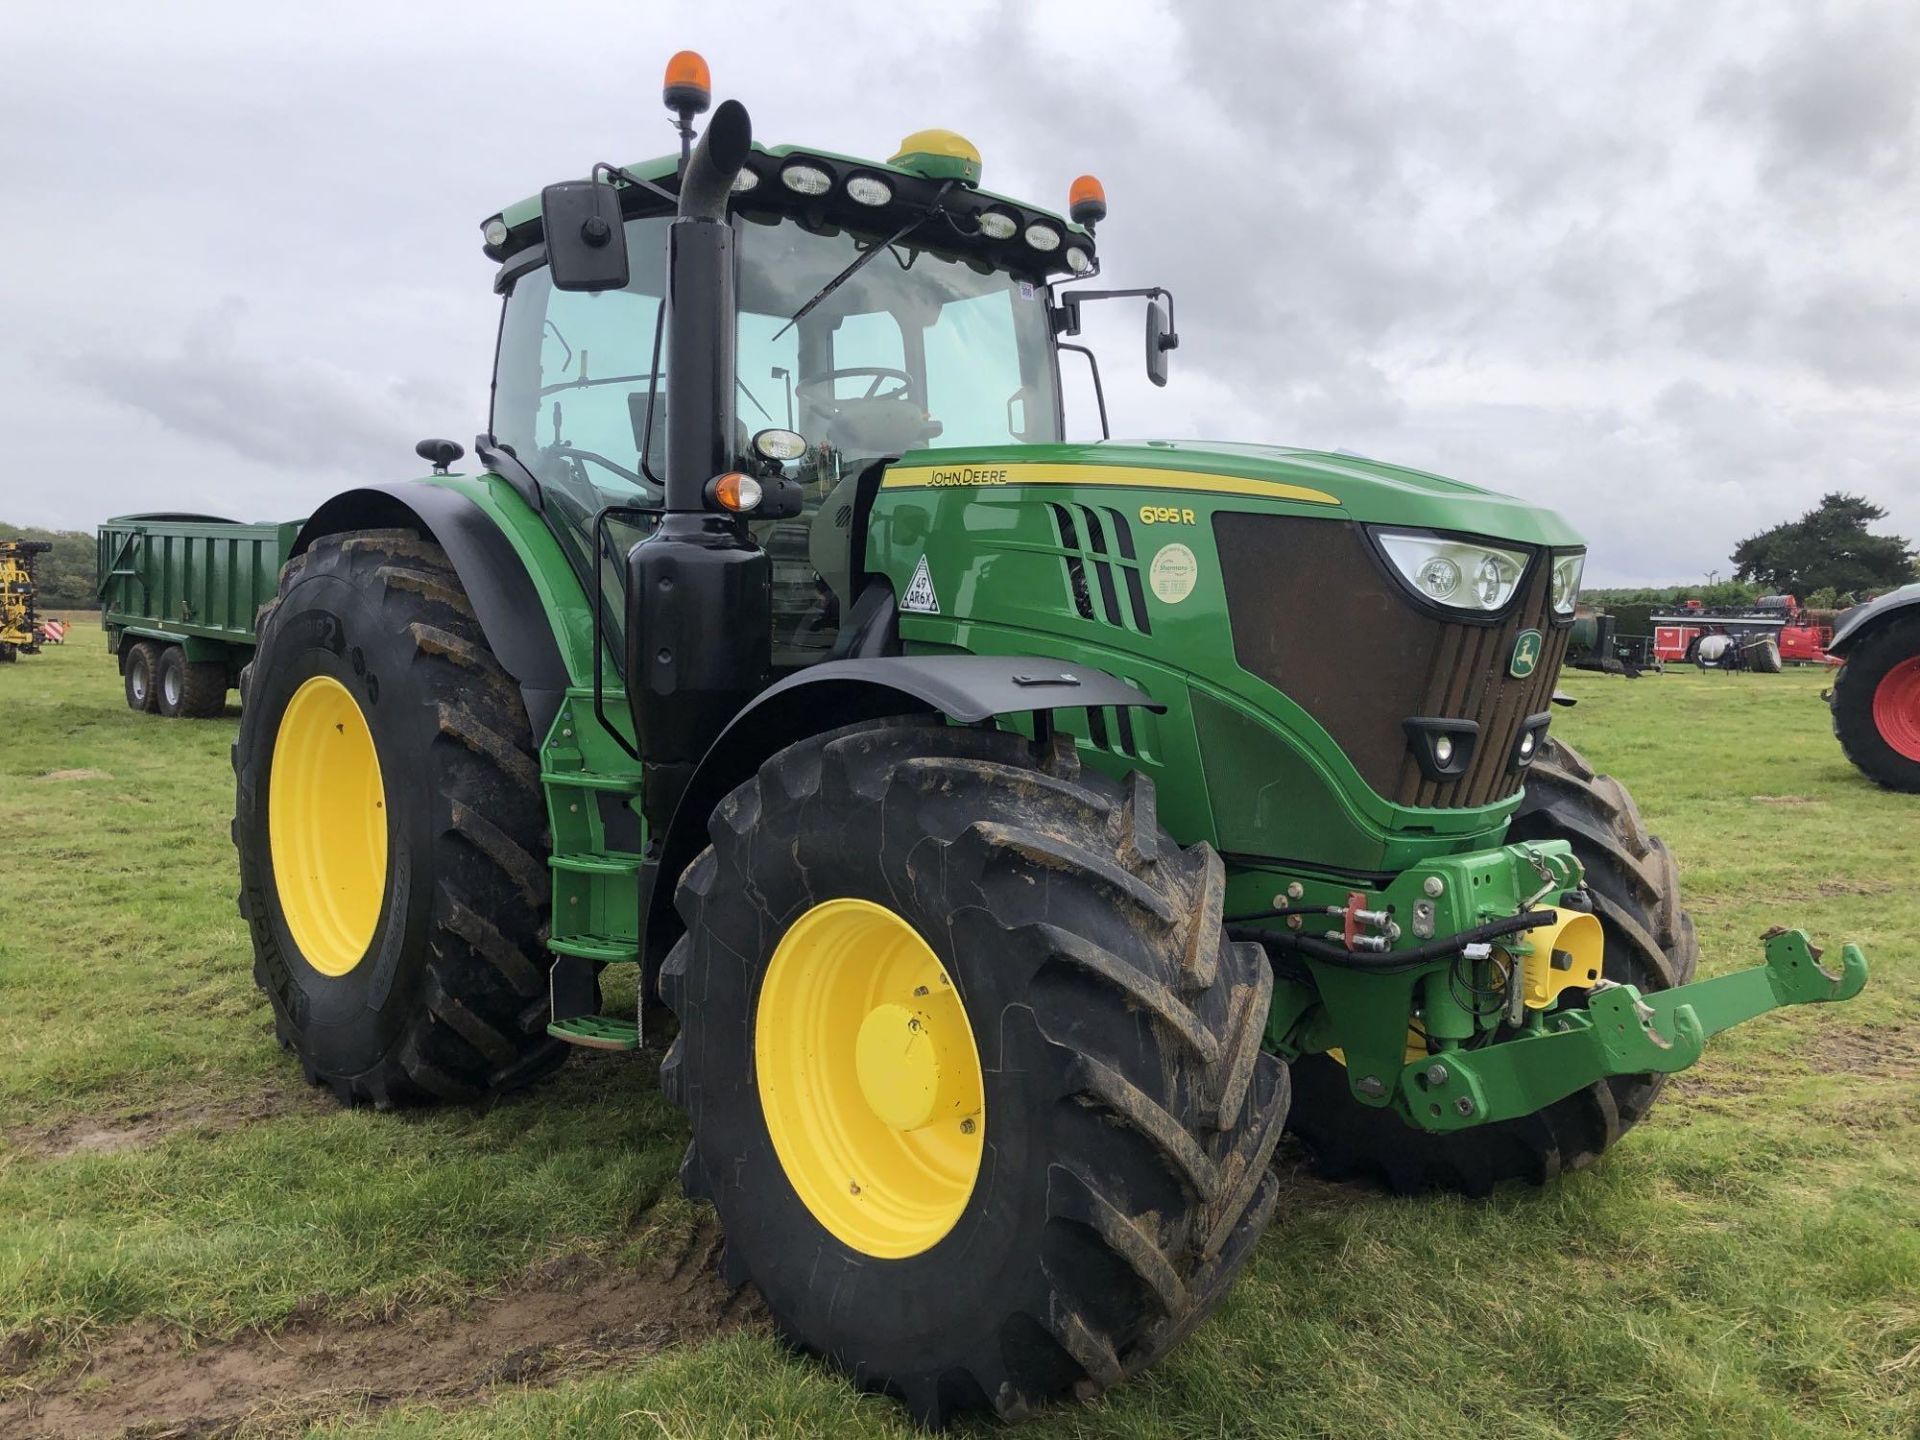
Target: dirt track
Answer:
[[561, 1318]]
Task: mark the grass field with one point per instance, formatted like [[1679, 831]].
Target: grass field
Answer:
[[193, 1241]]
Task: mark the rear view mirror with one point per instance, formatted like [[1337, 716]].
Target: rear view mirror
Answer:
[[586, 243], [1160, 339]]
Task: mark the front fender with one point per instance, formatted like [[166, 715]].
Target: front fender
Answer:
[[967, 689]]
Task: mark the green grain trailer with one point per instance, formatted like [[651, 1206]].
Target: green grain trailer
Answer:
[[1012, 827], [178, 596]]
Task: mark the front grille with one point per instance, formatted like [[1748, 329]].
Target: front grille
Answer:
[[1315, 614]]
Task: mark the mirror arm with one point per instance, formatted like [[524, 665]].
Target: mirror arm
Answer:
[[1099, 395], [1066, 314], [627, 177]]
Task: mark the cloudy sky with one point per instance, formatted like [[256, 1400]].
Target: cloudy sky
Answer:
[[1650, 264]]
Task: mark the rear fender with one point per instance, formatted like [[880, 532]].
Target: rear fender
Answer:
[[966, 689], [1861, 618], [503, 595]]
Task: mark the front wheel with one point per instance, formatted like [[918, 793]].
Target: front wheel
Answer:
[[1650, 942], [974, 1076]]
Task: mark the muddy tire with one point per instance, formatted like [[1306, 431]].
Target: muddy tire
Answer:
[[448, 1000], [1650, 942], [139, 673], [1876, 704], [1128, 1115], [1763, 656]]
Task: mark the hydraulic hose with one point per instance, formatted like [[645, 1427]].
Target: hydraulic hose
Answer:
[[1288, 943]]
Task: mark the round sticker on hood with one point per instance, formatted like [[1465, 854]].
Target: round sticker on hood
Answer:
[[1173, 573]]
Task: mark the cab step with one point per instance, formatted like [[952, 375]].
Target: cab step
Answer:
[[594, 947], [597, 1032]]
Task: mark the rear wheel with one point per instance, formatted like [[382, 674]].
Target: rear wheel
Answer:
[[1650, 942], [1763, 655], [1876, 704], [390, 824], [139, 668], [974, 1076], [190, 689], [7, 652]]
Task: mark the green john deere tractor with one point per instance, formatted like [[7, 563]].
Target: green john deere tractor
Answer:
[[1012, 828]]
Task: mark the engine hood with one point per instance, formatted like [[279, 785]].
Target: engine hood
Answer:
[[1365, 490]]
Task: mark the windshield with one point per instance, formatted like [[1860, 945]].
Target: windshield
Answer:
[[916, 350]]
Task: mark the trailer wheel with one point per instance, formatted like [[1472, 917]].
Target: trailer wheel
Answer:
[[974, 1076], [390, 825], [1876, 705], [190, 689], [1650, 942], [142, 661], [1763, 656]]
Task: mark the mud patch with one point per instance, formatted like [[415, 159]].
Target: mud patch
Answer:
[[1883, 1052], [132, 1128], [57, 776], [1785, 800], [564, 1317]]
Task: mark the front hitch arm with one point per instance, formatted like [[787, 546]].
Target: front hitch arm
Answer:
[[1620, 1032]]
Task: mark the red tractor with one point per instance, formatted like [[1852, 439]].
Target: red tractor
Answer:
[[1876, 695]]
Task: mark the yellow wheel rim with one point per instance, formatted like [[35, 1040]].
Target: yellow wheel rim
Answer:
[[327, 825], [869, 1079]]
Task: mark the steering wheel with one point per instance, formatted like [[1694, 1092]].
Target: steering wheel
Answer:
[[818, 389]]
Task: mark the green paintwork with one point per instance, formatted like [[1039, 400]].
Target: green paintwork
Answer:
[[998, 567], [597, 1032], [587, 777], [1365, 1014], [1620, 1032]]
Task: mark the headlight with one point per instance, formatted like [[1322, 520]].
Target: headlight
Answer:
[[806, 179], [1042, 237], [1565, 591], [869, 190], [744, 181], [1455, 573], [1077, 260]]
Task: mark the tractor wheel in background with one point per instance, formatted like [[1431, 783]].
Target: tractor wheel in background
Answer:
[[1650, 942], [140, 669], [1763, 655], [190, 689], [7, 655], [974, 1076], [1876, 704], [390, 824]]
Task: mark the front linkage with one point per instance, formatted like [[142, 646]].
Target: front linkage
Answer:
[[1508, 1010]]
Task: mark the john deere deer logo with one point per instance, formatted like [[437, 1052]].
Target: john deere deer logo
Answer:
[[1526, 654]]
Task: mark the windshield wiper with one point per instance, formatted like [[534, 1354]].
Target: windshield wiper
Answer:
[[864, 256]]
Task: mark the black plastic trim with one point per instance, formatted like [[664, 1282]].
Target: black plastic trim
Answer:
[[967, 689], [1423, 731]]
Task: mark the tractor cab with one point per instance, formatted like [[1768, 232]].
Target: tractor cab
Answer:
[[878, 309]]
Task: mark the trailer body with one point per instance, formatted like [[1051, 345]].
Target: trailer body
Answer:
[[178, 596]]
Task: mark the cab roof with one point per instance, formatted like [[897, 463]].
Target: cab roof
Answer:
[[914, 184]]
